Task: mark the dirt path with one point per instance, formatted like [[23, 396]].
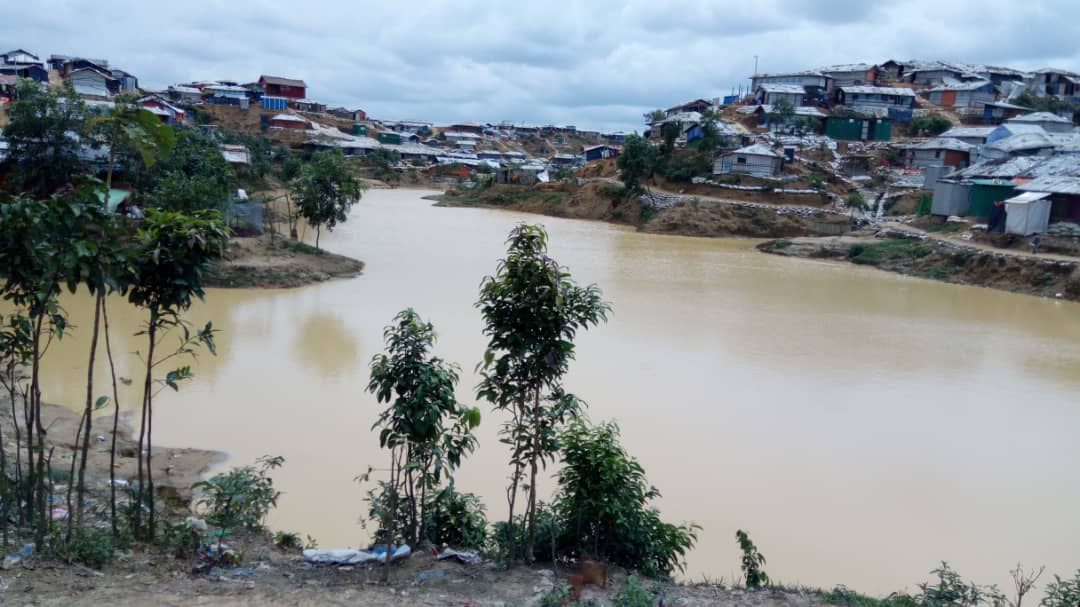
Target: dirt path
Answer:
[[955, 239]]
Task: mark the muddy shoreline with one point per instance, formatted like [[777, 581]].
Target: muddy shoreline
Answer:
[[277, 262]]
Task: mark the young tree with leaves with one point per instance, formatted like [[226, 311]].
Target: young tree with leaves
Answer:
[[636, 162], [44, 132], [532, 310], [325, 191], [425, 428], [174, 251]]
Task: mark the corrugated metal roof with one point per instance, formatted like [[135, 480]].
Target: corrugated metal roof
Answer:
[[757, 149], [1023, 141], [942, 143], [282, 81], [288, 118], [879, 90], [792, 89], [961, 86], [1039, 117], [1061, 165], [969, 131], [850, 67], [1000, 168], [1053, 185], [1027, 197]]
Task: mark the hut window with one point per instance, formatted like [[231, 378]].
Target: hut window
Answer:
[[741, 160]]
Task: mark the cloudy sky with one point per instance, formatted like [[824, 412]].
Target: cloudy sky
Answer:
[[594, 64]]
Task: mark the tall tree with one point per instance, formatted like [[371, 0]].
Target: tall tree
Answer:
[[45, 132], [325, 191], [532, 310], [636, 162], [425, 428], [174, 252]]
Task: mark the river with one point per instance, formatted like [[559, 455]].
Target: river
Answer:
[[862, 426]]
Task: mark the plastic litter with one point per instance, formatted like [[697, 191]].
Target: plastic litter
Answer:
[[58, 514], [14, 558], [353, 556], [467, 557], [429, 574]]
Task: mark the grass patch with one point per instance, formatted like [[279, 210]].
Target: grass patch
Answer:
[[783, 243], [849, 598], [948, 227], [894, 250], [299, 247]]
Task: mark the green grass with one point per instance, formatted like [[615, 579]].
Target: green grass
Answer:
[[783, 243], [948, 227], [849, 598], [299, 247], [893, 250]]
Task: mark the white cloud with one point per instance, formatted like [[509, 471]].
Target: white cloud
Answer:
[[593, 64]]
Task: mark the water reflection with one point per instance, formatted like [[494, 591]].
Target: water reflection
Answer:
[[325, 345]]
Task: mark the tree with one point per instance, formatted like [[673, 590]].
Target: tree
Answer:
[[532, 310], [174, 251], [636, 162], [603, 505], [124, 126], [930, 124], [782, 111], [425, 428], [856, 202], [325, 190], [44, 133], [192, 176]]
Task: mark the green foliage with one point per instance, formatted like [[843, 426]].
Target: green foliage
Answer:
[[87, 546], [128, 127], [615, 192], [175, 251], [636, 162], [325, 190], [259, 154], [1048, 104], [556, 597], [841, 595], [563, 172], [193, 176], [181, 537], [783, 243], [633, 594], [889, 250], [425, 428], [782, 111], [455, 519], [603, 505], [952, 591], [44, 132], [752, 562], [384, 161], [241, 497], [930, 124], [287, 540], [532, 310], [925, 205], [1062, 593]]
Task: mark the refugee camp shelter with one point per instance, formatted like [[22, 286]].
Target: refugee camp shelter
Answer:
[[756, 160], [1027, 213]]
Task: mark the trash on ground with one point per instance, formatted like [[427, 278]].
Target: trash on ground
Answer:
[[353, 556], [469, 557]]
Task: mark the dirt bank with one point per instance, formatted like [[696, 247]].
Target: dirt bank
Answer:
[[598, 200], [941, 260], [278, 263], [273, 577]]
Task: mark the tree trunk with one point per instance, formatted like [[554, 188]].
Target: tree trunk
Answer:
[[98, 303], [531, 536], [392, 505], [71, 477], [37, 482], [147, 388], [115, 424], [318, 232]]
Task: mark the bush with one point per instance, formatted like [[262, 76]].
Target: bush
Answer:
[[931, 124], [287, 540], [91, 547], [1062, 593], [633, 594], [455, 519], [241, 497], [752, 561], [603, 505], [952, 591], [181, 537]]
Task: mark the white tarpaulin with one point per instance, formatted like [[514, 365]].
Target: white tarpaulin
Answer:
[[1028, 213]]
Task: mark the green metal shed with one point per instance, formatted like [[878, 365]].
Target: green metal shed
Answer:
[[392, 138], [858, 129], [985, 192], [359, 129]]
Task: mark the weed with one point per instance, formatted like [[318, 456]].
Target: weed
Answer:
[[300, 247], [91, 547], [182, 538], [241, 497], [288, 540], [633, 594], [841, 595], [784, 243], [752, 561], [556, 597]]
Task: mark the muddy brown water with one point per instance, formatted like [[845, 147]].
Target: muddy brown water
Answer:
[[862, 426]]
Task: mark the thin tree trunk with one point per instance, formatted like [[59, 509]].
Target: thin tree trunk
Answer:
[[116, 422], [71, 477], [147, 387], [98, 303], [392, 504], [37, 491], [318, 232]]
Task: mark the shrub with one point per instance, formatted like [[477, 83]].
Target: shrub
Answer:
[[931, 124], [181, 537], [455, 519], [91, 547], [556, 597], [287, 540], [241, 497], [952, 591], [603, 505], [633, 594], [784, 243], [752, 561], [1062, 593]]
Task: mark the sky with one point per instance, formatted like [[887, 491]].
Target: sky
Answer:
[[596, 65]]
